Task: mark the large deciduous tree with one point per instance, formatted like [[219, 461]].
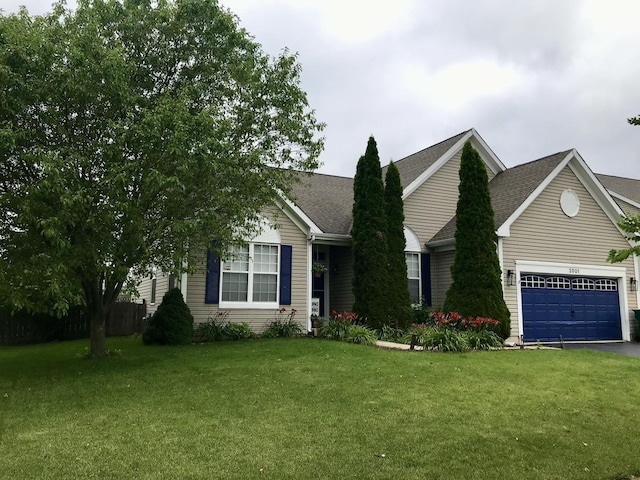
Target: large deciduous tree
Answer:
[[398, 297], [368, 235], [476, 289], [131, 131]]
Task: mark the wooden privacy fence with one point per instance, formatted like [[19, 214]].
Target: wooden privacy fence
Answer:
[[22, 328]]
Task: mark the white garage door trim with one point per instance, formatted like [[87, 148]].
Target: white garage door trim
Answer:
[[572, 269]]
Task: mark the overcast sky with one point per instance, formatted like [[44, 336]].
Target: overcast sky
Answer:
[[533, 78]]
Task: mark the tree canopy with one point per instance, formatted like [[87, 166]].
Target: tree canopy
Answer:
[[476, 288], [398, 297], [368, 237], [130, 132]]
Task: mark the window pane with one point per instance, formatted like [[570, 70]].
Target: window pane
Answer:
[[414, 290], [264, 287], [234, 287], [238, 259], [413, 265], [265, 258]]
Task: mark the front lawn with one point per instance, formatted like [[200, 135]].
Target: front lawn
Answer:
[[316, 409]]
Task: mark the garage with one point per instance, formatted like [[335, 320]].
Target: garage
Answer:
[[574, 308]]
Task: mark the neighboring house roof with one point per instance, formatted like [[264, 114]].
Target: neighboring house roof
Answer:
[[509, 190], [327, 200], [414, 165], [624, 190]]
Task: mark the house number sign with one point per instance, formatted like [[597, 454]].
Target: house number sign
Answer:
[[574, 270]]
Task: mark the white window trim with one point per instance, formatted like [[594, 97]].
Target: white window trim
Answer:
[[419, 278], [250, 304]]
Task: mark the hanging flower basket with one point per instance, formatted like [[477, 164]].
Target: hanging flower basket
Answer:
[[318, 268]]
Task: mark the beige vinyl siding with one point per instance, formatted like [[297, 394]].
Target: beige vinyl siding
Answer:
[[340, 281], [433, 204], [259, 319], [144, 291], [544, 233], [441, 263]]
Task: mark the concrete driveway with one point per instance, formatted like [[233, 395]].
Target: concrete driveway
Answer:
[[631, 349]]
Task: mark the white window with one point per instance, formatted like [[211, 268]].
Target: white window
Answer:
[[533, 281], [250, 277], [413, 275]]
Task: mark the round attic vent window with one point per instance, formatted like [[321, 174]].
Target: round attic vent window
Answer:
[[570, 203]]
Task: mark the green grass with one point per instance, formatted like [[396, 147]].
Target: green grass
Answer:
[[316, 409]]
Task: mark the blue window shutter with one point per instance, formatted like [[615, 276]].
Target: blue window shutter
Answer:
[[425, 275], [286, 260], [212, 287]]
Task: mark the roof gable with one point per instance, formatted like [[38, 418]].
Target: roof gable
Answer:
[[419, 167], [515, 189]]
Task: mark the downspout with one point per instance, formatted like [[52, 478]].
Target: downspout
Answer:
[[310, 239]]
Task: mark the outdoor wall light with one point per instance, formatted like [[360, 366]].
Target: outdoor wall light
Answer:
[[511, 278], [633, 284]]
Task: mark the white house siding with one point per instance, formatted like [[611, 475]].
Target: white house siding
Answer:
[[544, 233], [259, 319], [441, 263], [340, 280]]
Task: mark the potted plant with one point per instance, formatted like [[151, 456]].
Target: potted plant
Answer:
[[318, 268]]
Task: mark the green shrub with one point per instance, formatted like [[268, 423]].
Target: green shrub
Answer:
[[483, 339], [335, 329], [237, 331], [284, 325], [441, 339], [213, 329], [361, 334], [219, 328], [171, 324], [390, 334], [421, 313]]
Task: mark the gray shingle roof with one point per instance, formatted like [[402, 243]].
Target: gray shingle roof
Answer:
[[626, 187], [509, 189], [327, 200], [414, 165]]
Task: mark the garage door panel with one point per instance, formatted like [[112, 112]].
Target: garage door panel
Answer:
[[571, 307]]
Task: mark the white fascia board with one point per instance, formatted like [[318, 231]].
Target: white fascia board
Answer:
[[297, 216], [597, 191], [442, 245], [623, 198], [330, 239], [489, 157], [413, 186], [504, 230]]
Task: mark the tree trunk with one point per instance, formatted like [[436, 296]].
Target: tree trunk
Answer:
[[97, 329]]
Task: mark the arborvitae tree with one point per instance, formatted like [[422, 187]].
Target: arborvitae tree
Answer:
[[398, 299], [477, 288], [172, 323], [368, 236]]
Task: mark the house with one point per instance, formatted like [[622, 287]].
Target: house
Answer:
[[555, 223]]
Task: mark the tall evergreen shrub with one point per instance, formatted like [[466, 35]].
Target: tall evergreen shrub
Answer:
[[398, 298], [476, 288], [369, 242]]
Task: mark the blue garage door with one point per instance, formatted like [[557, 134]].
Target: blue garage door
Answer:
[[577, 308]]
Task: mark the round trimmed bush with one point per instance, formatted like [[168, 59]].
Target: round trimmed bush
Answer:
[[172, 323]]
